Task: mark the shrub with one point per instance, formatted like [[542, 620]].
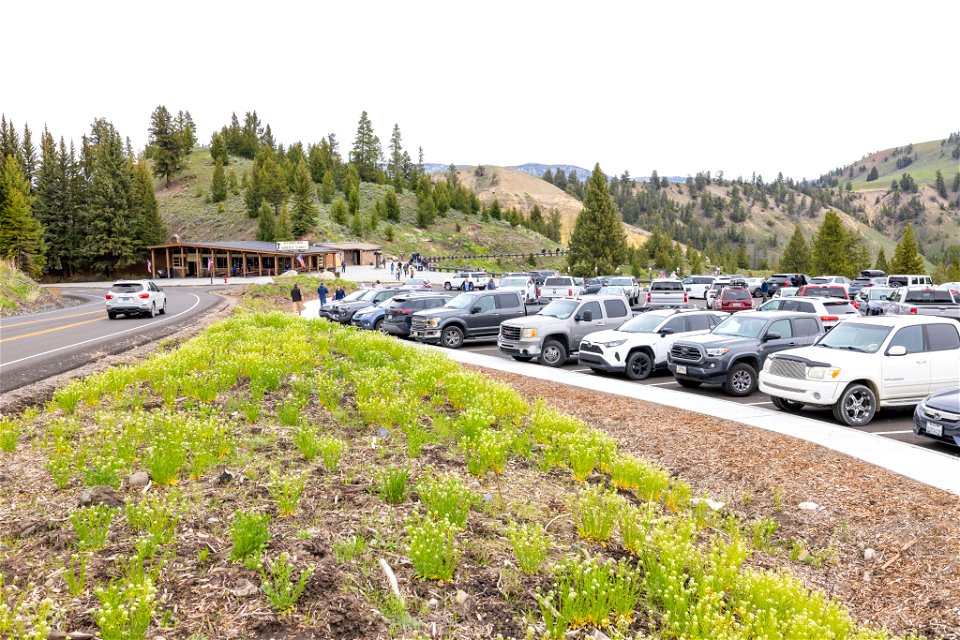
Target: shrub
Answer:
[[278, 584], [447, 497], [92, 526], [530, 545], [250, 534], [392, 484], [433, 548]]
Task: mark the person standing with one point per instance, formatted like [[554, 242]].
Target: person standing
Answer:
[[391, 268], [322, 291], [491, 285], [340, 294], [764, 290], [296, 296]]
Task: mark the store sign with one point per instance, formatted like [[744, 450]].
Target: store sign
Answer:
[[293, 245]]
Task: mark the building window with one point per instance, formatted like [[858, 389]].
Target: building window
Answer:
[[177, 264]]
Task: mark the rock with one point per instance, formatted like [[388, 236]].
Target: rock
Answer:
[[327, 275], [159, 638], [244, 588], [715, 505], [867, 576], [432, 603], [461, 597], [488, 497], [100, 494], [804, 555], [491, 475], [138, 479], [225, 477], [869, 554], [599, 635], [808, 506], [383, 433]]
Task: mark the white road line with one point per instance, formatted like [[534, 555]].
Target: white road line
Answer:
[[888, 433], [109, 335], [93, 300], [581, 370], [660, 384], [754, 404]]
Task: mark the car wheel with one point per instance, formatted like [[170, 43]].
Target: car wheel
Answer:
[[857, 406], [153, 310], [446, 286], [163, 309], [786, 405], [522, 358], [378, 324], [452, 337], [689, 384], [639, 365], [553, 354], [741, 381], [111, 315]]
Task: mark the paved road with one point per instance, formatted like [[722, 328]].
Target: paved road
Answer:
[[35, 347]]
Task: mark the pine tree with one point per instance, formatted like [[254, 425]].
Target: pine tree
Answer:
[[166, 145], [873, 175], [395, 165], [338, 211], [356, 225], [218, 187], [353, 200], [144, 206], [283, 229], [326, 188], [391, 206], [495, 212], [218, 148], [743, 261], [906, 258], [426, 211], [940, 184], [273, 186], [304, 215], [796, 257], [598, 243], [366, 151], [266, 225], [881, 262], [186, 133], [554, 225], [29, 156], [829, 254], [21, 236]]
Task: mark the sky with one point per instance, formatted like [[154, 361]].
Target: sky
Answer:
[[676, 87]]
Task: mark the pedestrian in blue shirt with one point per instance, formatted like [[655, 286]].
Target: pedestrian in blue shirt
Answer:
[[322, 291]]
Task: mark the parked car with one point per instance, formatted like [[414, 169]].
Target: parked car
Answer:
[[697, 285], [524, 284], [755, 286], [592, 286], [954, 288], [872, 273], [785, 292], [370, 318], [459, 280], [830, 280], [778, 280], [865, 282], [474, 314], [329, 311], [733, 299], [418, 283], [938, 416], [736, 349], [554, 334], [610, 290], [832, 311], [711, 293], [903, 280], [863, 365], [540, 276], [135, 298], [922, 301], [630, 286], [830, 290], [558, 287], [665, 294], [873, 299], [399, 311], [343, 311], [640, 345]]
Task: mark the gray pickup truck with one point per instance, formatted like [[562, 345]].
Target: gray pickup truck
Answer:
[[922, 301], [474, 314], [665, 294], [555, 333]]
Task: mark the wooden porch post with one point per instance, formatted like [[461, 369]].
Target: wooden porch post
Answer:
[[153, 264], [166, 265], [183, 263], [260, 264], [229, 263]]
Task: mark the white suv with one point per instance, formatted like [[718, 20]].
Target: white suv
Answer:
[[135, 297], [641, 345], [865, 364], [832, 311], [477, 280]]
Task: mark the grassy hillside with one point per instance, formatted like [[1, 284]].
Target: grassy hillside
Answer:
[[928, 158], [186, 210], [19, 293]]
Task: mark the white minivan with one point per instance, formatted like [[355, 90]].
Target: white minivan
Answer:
[[903, 280], [697, 286]]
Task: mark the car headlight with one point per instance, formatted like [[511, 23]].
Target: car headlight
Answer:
[[717, 351], [433, 322], [767, 364], [612, 343], [528, 333], [822, 373]]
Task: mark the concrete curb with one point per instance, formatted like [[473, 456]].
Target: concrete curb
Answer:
[[923, 465]]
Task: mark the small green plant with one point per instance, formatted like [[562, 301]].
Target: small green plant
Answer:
[[250, 534], [417, 436], [251, 411], [596, 511], [103, 471], [9, 434], [165, 458], [649, 481], [154, 515], [286, 492], [447, 497], [67, 398], [590, 592], [487, 452], [761, 531], [20, 620], [331, 449], [75, 573], [305, 439], [392, 484], [583, 457], [798, 549], [776, 496], [125, 610], [678, 497], [60, 467], [349, 548], [530, 544], [277, 582], [747, 497], [289, 412], [92, 526], [634, 522], [433, 548]]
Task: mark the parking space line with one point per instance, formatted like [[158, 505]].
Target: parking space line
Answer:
[[660, 384], [754, 404], [580, 370], [888, 433]]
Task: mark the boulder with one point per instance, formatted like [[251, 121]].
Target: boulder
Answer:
[[138, 479], [100, 494]]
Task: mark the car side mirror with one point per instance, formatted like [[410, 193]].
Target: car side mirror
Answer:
[[898, 350], [771, 335], [587, 316], [476, 309], [665, 332]]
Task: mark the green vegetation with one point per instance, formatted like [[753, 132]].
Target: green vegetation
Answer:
[[17, 290], [598, 244]]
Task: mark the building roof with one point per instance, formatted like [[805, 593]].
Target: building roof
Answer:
[[251, 246], [346, 246]]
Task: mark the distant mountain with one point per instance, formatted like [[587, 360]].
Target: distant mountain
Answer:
[[432, 167], [537, 169]]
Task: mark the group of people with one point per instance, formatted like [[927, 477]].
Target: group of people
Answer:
[[296, 296]]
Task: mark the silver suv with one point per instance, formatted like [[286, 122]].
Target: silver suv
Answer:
[[135, 297]]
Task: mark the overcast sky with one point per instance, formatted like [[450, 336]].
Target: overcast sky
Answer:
[[680, 87]]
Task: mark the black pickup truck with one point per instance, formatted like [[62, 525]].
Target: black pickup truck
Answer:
[[474, 314]]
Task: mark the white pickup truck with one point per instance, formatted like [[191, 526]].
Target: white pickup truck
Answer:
[[665, 294], [559, 287]]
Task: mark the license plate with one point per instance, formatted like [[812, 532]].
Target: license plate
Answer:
[[415, 333], [125, 299], [681, 369], [934, 429]]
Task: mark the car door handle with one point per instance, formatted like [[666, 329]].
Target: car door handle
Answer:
[[791, 344], [921, 362]]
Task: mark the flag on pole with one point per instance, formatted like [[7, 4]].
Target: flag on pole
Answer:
[[149, 266], [300, 260], [210, 263]]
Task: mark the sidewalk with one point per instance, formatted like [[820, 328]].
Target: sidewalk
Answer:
[[923, 465]]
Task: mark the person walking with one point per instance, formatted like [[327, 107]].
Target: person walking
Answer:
[[491, 285], [377, 285], [296, 296], [322, 292], [764, 290], [339, 294], [391, 268]]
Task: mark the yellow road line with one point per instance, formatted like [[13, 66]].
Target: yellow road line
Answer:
[[37, 333], [73, 315]]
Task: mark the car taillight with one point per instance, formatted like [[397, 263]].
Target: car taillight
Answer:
[[109, 296], [829, 318], [570, 292], [403, 310], [538, 292], [144, 295], [913, 310], [685, 297], [648, 298], [854, 304]]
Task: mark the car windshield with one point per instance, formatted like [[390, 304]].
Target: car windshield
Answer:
[[735, 294], [462, 301], [416, 281], [741, 327], [369, 294], [561, 309], [862, 280], [827, 292], [786, 292], [557, 282], [877, 293], [642, 324], [126, 288], [513, 282], [610, 291], [928, 295], [356, 295], [855, 336], [621, 282]]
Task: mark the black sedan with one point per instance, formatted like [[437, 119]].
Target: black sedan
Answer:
[[399, 312], [938, 416]]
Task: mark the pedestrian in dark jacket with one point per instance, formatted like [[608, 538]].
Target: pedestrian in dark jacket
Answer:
[[340, 294], [322, 291], [296, 296]]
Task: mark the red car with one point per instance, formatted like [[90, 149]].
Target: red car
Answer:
[[733, 299]]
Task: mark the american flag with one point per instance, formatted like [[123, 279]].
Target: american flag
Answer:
[[210, 263], [300, 260], [149, 266]]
